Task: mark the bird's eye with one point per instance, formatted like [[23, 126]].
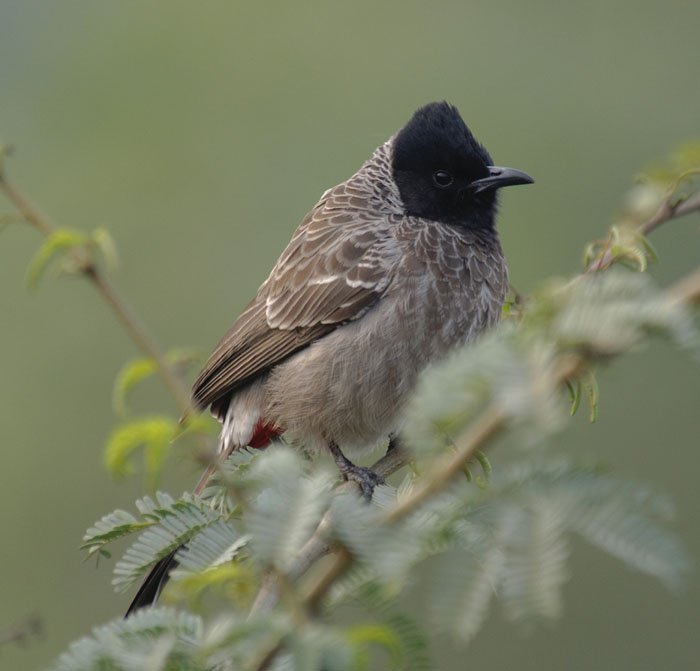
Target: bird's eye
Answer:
[[442, 178]]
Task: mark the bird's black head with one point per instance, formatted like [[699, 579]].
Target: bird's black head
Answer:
[[443, 173]]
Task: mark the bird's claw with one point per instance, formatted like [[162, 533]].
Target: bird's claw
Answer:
[[366, 478]]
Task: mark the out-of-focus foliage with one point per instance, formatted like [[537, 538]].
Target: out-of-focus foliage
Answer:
[[140, 369], [154, 434], [63, 240], [599, 314], [674, 174], [509, 541], [663, 186]]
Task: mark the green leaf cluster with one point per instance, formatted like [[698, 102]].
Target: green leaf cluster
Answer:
[[509, 542], [153, 435], [60, 242]]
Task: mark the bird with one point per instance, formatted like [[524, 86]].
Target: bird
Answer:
[[390, 271]]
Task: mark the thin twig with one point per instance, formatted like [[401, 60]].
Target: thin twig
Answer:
[[476, 436], [342, 560], [665, 212], [86, 265]]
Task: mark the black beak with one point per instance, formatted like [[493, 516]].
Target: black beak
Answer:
[[499, 177]]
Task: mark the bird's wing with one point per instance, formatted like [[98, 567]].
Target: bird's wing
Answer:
[[337, 265]]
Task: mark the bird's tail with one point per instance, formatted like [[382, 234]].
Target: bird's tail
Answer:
[[157, 578], [263, 434], [152, 586]]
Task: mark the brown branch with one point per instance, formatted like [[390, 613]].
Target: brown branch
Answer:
[[268, 657], [478, 434], [89, 269], [665, 212], [342, 561]]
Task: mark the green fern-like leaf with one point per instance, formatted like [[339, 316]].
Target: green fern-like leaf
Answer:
[[624, 520], [162, 639], [414, 643], [217, 544], [389, 552], [115, 525], [535, 556], [127, 378], [513, 544], [363, 637], [174, 522], [102, 240], [236, 581], [150, 640], [505, 367], [464, 583], [317, 647], [289, 505], [206, 564], [612, 312]]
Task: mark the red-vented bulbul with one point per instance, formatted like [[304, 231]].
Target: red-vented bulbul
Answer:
[[391, 270]]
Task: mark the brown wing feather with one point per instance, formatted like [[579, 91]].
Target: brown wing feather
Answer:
[[336, 266]]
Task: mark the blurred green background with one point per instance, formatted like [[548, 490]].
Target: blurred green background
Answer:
[[200, 133]]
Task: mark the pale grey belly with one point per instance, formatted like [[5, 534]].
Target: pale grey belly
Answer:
[[351, 386]]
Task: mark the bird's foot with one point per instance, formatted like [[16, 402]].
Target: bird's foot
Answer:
[[366, 478]]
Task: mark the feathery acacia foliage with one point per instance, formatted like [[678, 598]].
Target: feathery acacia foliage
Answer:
[[508, 540], [255, 537]]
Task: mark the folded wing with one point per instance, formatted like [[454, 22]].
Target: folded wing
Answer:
[[334, 269]]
